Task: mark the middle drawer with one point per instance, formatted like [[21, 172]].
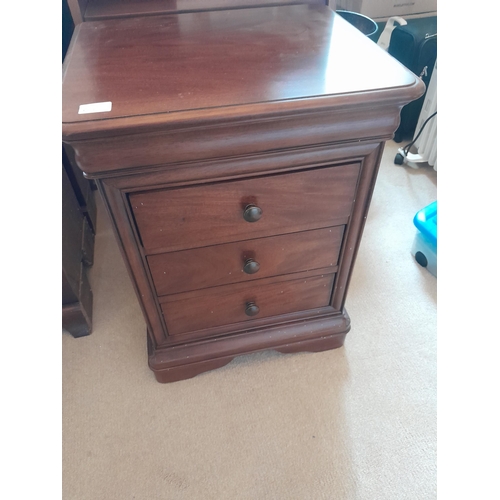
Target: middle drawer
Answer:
[[241, 261]]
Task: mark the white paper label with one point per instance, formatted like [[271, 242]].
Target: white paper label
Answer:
[[95, 107]]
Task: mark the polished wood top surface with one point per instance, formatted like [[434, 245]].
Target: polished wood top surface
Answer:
[[164, 65]]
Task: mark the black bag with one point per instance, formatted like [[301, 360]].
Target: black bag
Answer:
[[415, 46]]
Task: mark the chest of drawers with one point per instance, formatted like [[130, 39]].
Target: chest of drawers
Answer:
[[236, 153]]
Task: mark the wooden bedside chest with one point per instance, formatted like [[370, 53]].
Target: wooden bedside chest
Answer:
[[236, 152]]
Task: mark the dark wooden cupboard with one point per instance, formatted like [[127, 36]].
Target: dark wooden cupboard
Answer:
[[236, 152]]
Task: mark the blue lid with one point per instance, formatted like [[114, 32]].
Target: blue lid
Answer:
[[425, 221]]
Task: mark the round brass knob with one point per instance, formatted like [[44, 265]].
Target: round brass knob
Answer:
[[251, 266], [252, 213], [252, 309]]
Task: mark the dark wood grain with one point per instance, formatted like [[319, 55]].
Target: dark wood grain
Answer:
[[354, 232], [137, 139], [236, 58], [242, 139], [77, 318], [209, 170], [227, 304], [257, 323], [283, 108], [83, 188], [314, 333], [176, 272], [205, 215], [128, 245]]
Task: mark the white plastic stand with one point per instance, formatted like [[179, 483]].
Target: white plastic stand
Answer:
[[412, 159]]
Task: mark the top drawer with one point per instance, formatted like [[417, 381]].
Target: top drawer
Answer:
[[175, 219]]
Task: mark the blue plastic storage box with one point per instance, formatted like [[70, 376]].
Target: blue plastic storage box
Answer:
[[424, 248]]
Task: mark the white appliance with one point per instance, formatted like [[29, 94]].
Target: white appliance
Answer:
[[381, 10]]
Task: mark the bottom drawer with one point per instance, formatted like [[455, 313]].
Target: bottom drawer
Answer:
[[224, 305]]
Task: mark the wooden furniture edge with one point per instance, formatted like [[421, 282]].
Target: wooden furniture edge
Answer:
[[186, 361]]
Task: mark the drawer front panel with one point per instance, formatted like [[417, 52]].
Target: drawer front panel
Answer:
[[233, 304], [176, 219], [186, 270]]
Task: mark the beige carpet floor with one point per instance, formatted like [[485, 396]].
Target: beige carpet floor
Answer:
[[353, 423]]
